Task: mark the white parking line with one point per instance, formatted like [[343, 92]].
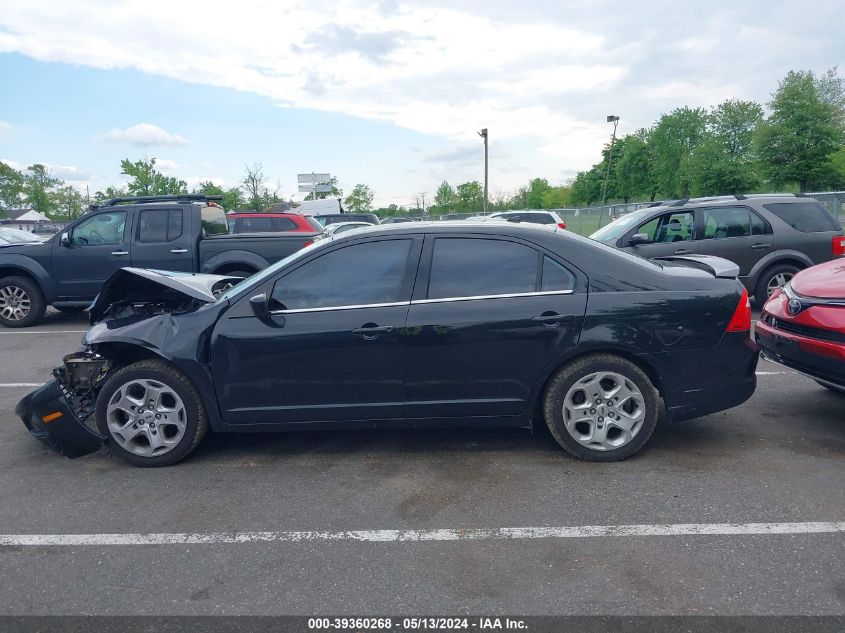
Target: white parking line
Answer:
[[21, 384], [391, 536], [44, 332]]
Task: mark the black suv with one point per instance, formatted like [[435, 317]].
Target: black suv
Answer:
[[770, 237]]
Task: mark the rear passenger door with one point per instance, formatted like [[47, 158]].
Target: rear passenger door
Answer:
[[163, 239], [735, 233], [487, 316]]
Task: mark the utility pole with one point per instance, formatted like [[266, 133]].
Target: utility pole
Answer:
[[611, 118], [483, 134]]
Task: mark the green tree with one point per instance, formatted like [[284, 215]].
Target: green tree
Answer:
[[109, 193], [11, 188], [41, 189], [445, 198], [254, 186], [537, 188], [69, 203], [557, 198], [805, 128], [233, 198], [633, 171], [360, 200], [470, 197], [673, 140], [587, 186], [146, 180]]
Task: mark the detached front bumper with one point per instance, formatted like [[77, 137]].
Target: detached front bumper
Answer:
[[48, 417]]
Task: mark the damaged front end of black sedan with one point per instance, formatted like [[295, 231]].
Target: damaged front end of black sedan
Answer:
[[61, 412]]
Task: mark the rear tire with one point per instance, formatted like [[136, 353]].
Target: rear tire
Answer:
[[151, 414], [772, 278], [21, 302], [601, 408]]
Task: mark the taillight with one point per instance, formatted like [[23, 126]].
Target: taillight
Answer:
[[561, 225], [838, 245], [741, 320]]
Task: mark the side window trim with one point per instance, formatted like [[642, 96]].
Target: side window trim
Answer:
[[536, 293], [751, 214]]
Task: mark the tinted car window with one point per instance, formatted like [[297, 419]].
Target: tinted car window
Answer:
[[556, 277], [726, 222], [759, 226], [360, 274], [264, 225], [669, 227], [465, 267], [160, 225], [805, 216], [103, 228], [542, 218], [214, 220]]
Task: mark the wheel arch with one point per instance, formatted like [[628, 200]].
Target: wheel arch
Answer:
[[33, 271], [778, 258]]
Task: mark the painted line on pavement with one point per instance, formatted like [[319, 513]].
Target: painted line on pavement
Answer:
[[20, 384], [392, 536], [44, 332]]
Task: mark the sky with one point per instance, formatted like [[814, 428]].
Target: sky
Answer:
[[386, 93]]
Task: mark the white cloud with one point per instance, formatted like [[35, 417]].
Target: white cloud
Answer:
[[169, 166], [12, 163], [143, 135], [5, 127]]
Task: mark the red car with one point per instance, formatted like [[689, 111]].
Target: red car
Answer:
[[272, 223], [803, 325]]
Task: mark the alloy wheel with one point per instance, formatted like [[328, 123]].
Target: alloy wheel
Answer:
[[778, 281], [604, 411], [15, 303], [146, 417]]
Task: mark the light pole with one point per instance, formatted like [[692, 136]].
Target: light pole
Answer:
[[483, 134], [611, 118]]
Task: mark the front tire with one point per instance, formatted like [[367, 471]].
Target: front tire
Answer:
[[21, 302], [601, 408], [771, 279], [151, 414]]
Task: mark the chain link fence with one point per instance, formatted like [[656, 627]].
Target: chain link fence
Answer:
[[834, 201]]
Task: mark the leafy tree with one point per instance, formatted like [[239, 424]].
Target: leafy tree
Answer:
[[805, 128], [11, 188], [233, 198], [470, 197], [146, 180], [254, 186], [360, 200], [41, 188], [633, 173], [557, 198], [108, 193], [336, 192], [587, 186], [69, 203], [445, 198], [673, 140]]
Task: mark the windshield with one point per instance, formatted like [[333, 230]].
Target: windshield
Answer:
[[617, 228], [269, 271]]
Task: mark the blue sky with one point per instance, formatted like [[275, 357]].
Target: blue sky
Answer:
[[385, 93]]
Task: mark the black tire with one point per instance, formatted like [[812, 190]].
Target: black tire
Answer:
[[838, 390], [159, 371], [243, 274], [32, 292], [761, 294], [566, 378]]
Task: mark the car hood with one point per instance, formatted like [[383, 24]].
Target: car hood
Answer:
[[20, 247], [146, 286], [825, 281]]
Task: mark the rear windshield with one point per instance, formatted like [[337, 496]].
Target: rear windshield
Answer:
[[806, 216], [214, 221]]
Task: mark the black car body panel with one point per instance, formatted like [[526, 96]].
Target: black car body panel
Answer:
[[423, 359]]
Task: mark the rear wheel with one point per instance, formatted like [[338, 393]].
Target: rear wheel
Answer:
[[21, 302], [151, 414], [773, 278], [601, 408]]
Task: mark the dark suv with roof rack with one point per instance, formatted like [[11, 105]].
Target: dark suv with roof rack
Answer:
[[770, 237]]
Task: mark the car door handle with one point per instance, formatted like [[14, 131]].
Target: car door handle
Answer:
[[551, 320], [683, 251], [178, 250], [760, 247], [119, 253], [372, 332]]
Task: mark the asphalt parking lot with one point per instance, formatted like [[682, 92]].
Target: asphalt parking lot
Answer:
[[777, 459]]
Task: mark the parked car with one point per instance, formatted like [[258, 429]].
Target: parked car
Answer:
[[802, 325], [535, 217], [331, 218], [540, 326], [272, 223], [183, 233], [16, 236], [342, 227], [770, 237], [396, 219]]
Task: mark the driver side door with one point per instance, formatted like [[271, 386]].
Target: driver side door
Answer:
[[670, 234], [99, 246]]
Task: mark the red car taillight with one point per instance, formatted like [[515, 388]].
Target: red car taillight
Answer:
[[741, 320], [308, 243], [838, 246], [561, 225]]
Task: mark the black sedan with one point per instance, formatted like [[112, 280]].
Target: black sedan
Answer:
[[407, 325]]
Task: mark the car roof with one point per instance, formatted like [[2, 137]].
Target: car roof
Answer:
[[460, 226], [729, 201]]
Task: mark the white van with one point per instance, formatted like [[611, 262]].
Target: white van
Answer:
[[326, 206]]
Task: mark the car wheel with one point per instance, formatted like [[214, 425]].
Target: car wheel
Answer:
[[772, 279], [601, 408], [834, 389], [21, 302], [151, 414]]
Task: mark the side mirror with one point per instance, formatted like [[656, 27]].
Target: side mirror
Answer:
[[65, 239], [639, 238], [260, 305]]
